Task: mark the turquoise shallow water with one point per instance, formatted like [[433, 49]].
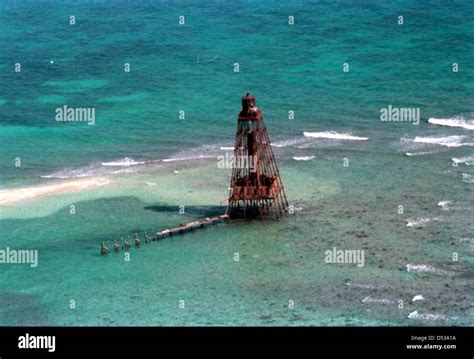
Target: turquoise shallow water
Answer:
[[190, 68]]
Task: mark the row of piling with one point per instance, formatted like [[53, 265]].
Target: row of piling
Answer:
[[158, 235]]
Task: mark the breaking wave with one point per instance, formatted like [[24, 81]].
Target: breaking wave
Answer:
[[365, 286], [312, 139], [420, 268], [370, 300], [424, 268], [448, 141], [124, 162], [445, 205], [459, 121], [467, 178], [130, 165], [335, 136], [304, 158], [429, 316], [417, 222], [422, 153], [467, 160]]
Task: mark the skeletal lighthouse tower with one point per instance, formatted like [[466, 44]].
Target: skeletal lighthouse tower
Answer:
[[256, 189]]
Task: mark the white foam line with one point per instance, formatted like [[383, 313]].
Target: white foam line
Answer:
[[370, 300], [423, 153], [334, 135], [424, 268], [429, 316], [187, 158], [124, 162], [365, 286], [417, 222], [467, 160], [444, 205], [417, 268], [304, 158], [448, 141], [452, 122]]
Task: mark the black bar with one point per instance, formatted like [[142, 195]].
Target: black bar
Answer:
[[369, 340]]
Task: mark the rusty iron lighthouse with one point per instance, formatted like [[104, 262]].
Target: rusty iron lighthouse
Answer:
[[256, 188]]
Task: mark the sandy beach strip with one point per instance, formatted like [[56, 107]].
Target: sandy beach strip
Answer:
[[20, 194]]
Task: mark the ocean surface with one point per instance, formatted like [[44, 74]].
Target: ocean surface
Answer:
[[402, 193]]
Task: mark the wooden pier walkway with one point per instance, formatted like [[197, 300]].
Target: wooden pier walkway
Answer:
[[190, 226], [182, 228]]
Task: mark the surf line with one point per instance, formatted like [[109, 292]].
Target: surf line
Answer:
[[168, 232]]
